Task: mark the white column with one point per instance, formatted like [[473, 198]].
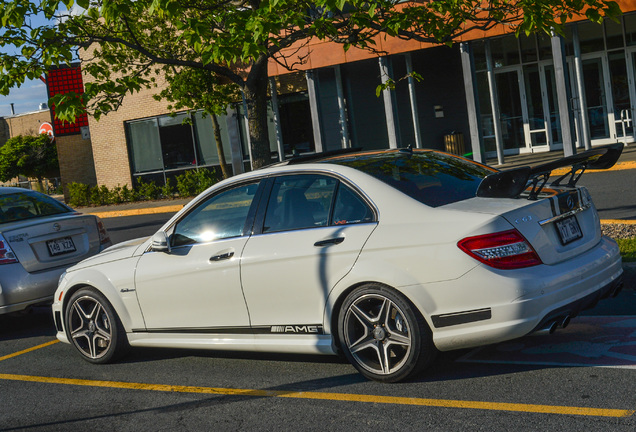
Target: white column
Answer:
[[279, 132], [471, 102], [584, 128], [313, 107], [560, 78], [342, 110], [414, 111], [388, 102], [494, 103]]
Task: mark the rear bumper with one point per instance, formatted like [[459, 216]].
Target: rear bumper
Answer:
[[20, 289], [573, 309], [487, 306]]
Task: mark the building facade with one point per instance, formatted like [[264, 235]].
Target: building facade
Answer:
[[489, 96]]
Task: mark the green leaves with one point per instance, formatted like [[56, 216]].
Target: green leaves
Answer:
[[30, 156]]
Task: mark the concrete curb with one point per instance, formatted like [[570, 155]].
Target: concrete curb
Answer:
[[135, 212]]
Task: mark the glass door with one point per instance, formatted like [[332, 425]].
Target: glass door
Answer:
[[596, 98], [550, 102], [540, 100], [511, 110], [620, 95], [631, 76]]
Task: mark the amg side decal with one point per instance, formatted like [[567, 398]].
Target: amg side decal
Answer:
[[282, 329], [302, 329]]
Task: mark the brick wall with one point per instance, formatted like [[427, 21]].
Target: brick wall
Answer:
[[110, 151], [75, 155], [23, 124]]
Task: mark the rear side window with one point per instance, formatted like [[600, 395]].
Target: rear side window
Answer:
[[21, 206], [299, 201], [350, 208], [432, 178]]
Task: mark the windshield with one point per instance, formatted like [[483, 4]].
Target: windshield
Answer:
[[432, 178], [28, 205]]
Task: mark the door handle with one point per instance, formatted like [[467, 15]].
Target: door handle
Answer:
[[222, 257], [335, 241]]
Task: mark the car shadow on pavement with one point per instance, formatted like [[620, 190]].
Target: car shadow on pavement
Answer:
[[37, 321]]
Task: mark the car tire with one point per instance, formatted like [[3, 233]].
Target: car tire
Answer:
[[383, 335], [93, 327]]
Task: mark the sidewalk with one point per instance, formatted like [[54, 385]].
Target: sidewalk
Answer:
[[626, 161], [137, 208]]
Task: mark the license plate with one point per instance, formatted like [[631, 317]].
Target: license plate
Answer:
[[569, 230], [61, 246]]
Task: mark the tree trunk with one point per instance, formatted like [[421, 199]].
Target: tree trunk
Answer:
[[219, 147], [255, 91]]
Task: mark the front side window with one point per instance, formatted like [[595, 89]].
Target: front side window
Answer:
[[221, 216]]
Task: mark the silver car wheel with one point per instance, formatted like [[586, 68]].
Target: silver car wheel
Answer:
[[90, 327], [377, 335]]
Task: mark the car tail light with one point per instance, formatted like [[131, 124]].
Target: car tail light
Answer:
[[104, 238], [6, 254], [502, 250]]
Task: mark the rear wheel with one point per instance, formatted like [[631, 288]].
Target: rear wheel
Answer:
[[94, 328], [383, 335]]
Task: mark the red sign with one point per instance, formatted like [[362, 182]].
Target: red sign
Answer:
[[47, 128]]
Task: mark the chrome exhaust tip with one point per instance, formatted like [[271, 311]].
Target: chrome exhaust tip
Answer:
[[618, 289], [565, 321]]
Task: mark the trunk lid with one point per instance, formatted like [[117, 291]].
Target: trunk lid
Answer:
[[41, 244], [559, 225]]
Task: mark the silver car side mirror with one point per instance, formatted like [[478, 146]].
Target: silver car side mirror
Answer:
[[160, 242]]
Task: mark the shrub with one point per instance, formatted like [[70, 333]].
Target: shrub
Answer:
[[79, 194], [195, 181], [167, 190], [146, 191]]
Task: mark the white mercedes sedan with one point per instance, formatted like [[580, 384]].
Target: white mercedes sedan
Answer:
[[386, 257]]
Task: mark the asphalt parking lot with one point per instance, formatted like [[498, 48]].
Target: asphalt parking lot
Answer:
[[579, 377]]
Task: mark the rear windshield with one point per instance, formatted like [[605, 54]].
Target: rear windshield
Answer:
[[28, 205], [432, 178]]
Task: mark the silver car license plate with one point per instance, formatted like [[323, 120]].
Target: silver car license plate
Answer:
[[569, 230], [60, 246]]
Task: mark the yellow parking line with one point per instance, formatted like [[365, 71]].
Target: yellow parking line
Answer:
[[136, 212], [44, 345], [618, 167], [341, 397], [618, 221]]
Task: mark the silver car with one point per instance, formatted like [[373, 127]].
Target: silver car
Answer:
[[39, 238]]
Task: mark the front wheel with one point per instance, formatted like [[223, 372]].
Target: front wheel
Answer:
[[383, 335], [94, 328]]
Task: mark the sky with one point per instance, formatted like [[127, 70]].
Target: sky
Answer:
[[30, 95], [25, 99]]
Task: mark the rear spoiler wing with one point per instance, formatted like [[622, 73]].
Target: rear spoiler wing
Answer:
[[511, 183]]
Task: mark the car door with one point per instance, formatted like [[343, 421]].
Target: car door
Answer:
[[310, 235], [196, 285]]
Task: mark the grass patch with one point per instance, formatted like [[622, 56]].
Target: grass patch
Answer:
[[628, 249]]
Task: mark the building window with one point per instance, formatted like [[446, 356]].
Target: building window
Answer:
[[163, 147], [177, 144], [144, 145]]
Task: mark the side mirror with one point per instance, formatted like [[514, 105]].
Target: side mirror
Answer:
[[160, 242]]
